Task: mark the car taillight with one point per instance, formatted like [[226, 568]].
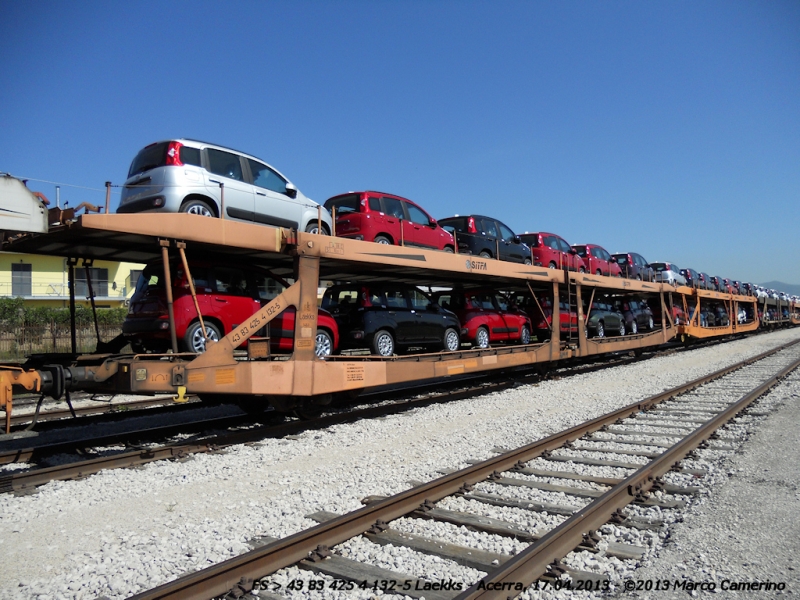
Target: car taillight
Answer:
[[174, 155], [630, 260], [471, 225]]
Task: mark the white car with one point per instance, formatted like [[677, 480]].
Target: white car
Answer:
[[668, 273], [203, 179]]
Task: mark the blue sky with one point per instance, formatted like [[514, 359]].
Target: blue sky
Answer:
[[671, 129]]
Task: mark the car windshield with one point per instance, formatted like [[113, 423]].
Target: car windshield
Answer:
[[148, 158], [343, 204]]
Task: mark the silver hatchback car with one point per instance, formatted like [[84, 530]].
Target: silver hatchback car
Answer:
[[668, 273], [195, 177]]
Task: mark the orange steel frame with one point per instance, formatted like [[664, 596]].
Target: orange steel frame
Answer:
[[692, 298], [303, 377]]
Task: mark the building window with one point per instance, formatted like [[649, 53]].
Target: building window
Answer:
[[20, 279], [133, 279], [99, 283]]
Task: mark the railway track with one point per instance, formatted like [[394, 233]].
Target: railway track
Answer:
[[642, 441], [215, 433]]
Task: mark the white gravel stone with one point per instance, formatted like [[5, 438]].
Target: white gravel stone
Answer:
[[120, 532]]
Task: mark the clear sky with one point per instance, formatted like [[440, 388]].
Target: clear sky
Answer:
[[667, 128]]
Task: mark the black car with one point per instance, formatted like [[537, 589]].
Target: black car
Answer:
[[722, 319], [705, 282], [634, 266], [692, 277], [603, 318], [638, 315], [386, 316], [716, 284], [487, 237]]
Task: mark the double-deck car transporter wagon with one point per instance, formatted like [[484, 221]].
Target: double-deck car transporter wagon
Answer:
[[302, 381]]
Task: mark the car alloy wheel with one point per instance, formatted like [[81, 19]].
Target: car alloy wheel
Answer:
[[525, 335], [383, 343], [324, 344], [452, 341], [622, 328], [601, 330], [482, 338], [195, 340], [197, 207], [634, 327], [650, 323]]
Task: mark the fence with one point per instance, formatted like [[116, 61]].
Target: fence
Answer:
[[19, 342]]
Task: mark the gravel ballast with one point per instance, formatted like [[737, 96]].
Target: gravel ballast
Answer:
[[120, 532]]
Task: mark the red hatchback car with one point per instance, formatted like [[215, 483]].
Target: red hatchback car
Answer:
[[598, 260], [541, 315], [550, 250], [227, 296], [486, 317], [387, 219]]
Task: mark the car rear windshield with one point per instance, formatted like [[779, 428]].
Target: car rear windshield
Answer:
[[658, 267], [620, 258], [148, 158], [343, 204], [455, 223], [581, 250]]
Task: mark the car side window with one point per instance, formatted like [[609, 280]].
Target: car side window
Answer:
[[505, 232], [551, 242], [563, 245], [225, 164], [501, 302], [268, 288], [419, 301], [596, 253], [487, 226], [396, 299], [190, 156], [416, 215], [231, 281], [375, 204], [393, 207], [266, 178]]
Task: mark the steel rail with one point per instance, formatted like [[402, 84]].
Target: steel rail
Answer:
[[219, 579], [25, 480], [530, 564]]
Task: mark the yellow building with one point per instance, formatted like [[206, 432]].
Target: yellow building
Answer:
[[43, 280]]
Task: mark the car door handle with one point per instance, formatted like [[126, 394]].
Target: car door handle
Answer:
[[260, 194], [221, 300], [214, 181]]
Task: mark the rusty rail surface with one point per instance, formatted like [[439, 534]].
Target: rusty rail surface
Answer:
[[221, 578]]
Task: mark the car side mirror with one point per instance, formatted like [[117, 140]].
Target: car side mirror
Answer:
[[433, 223], [573, 251], [291, 191], [516, 239]]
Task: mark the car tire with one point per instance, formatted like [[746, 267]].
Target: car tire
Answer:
[[527, 261], [525, 335], [552, 265], [312, 228], [323, 346], [622, 327], [650, 324], [581, 270], [197, 207], [448, 249], [482, 337], [598, 272], [639, 277], [485, 254], [451, 340], [383, 343], [194, 341], [634, 327], [382, 239], [601, 330]]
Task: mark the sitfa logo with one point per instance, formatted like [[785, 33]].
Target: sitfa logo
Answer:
[[477, 265]]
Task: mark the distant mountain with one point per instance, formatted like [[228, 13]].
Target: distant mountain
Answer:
[[789, 288]]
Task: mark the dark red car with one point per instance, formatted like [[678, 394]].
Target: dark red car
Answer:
[[227, 296], [598, 260], [486, 316], [387, 219], [541, 315], [550, 250]]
